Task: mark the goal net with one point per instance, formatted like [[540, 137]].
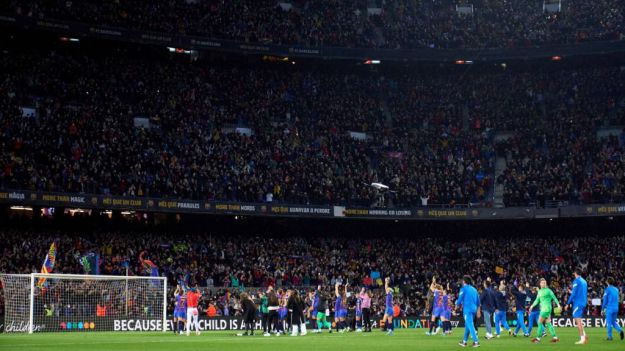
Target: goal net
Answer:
[[83, 303]]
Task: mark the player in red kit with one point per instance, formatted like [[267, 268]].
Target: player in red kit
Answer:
[[193, 297]]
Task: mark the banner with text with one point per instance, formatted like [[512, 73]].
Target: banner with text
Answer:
[[108, 202], [188, 42], [94, 324]]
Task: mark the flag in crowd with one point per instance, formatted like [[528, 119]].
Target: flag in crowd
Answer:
[[48, 264], [150, 268], [90, 263], [148, 265]]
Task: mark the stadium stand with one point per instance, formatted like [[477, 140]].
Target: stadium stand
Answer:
[[308, 137], [435, 24]]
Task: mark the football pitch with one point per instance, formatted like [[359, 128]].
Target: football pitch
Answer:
[[402, 340]]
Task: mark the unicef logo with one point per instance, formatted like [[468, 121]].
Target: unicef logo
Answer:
[[77, 325]]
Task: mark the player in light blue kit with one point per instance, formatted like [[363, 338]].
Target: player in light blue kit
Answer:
[[470, 302], [578, 299], [609, 308], [535, 311]]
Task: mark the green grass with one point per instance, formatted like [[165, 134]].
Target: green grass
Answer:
[[413, 339]]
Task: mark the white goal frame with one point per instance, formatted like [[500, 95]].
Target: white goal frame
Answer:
[[34, 278]]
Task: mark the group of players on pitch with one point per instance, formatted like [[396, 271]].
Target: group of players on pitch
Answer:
[[544, 305], [280, 308]]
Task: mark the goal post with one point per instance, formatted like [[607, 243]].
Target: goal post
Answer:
[[83, 303], [31, 304]]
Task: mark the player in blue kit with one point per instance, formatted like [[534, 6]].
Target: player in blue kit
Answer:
[[447, 308], [469, 299], [578, 300], [282, 312], [180, 310], [437, 306], [340, 307], [313, 299], [609, 308], [344, 310], [388, 311], [358, 311]]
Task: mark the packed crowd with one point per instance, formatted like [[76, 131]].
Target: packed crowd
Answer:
[[300, 151], [401, 24], [563, 169], [553, 157], [219, 132], [309, 23], [224, 265], [497, 24]]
